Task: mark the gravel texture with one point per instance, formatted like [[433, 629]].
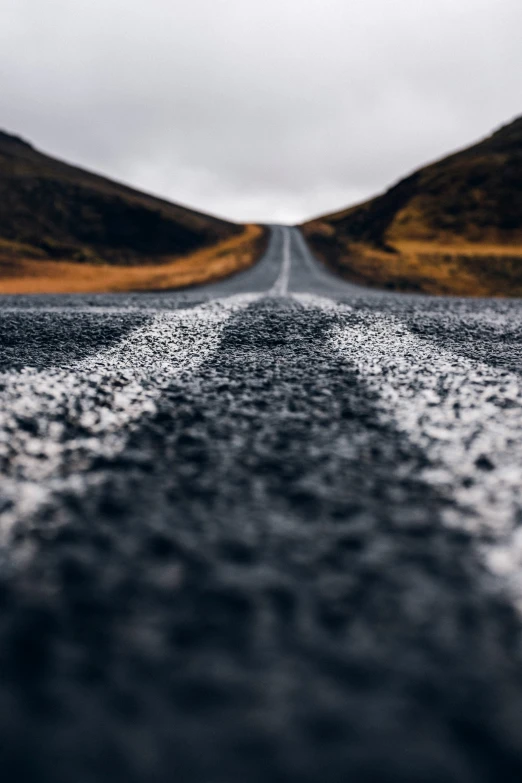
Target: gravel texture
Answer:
[[263, 531]]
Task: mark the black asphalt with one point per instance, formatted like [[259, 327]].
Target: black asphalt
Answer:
[[264, 530]]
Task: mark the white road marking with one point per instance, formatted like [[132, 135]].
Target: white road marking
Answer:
[[466, 417], [102, 397], [280, 287]]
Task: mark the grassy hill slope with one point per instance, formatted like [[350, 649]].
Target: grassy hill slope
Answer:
[[454, 227], [65, 229]]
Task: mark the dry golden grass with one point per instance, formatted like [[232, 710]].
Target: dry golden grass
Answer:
[[463, 269], [28, 275]]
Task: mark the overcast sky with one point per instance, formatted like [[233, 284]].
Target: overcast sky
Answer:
[[265, 110]]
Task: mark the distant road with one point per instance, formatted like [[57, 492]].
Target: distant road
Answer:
[[264, 530], [288, 267]]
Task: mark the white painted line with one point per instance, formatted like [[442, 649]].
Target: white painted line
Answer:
[[280, 287], [461, 412], [101, 398]]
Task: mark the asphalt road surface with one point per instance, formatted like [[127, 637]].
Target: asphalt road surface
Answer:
[[263, 531]]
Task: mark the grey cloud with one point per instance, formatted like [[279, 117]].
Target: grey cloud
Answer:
[[258, 109]]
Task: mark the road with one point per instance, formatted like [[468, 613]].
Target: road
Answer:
[[265, 530]]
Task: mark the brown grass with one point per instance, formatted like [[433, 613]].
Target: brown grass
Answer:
[[463, 269], [28, 275]]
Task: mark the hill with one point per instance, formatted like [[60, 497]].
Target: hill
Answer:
[[453, 227], [66, 229]]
